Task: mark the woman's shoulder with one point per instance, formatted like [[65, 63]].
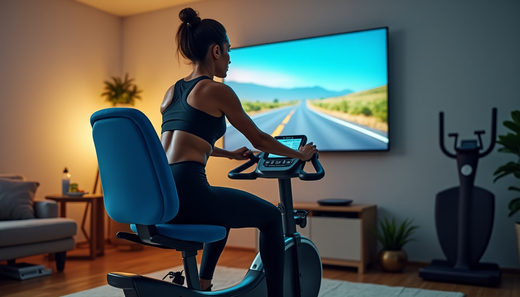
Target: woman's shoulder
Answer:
[[168, 97], [215, 89]]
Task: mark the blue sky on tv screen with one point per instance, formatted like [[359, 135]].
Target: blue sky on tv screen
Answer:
[[353, 61]]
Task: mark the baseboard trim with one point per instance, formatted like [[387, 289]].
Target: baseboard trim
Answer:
[[503, 269]]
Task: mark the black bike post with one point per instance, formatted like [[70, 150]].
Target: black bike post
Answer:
[[290, 228], [284, 185]]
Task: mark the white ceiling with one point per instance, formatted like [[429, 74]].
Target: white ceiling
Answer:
[[131, 7]]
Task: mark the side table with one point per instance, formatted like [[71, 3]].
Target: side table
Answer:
[[96, 239], [342, 234]]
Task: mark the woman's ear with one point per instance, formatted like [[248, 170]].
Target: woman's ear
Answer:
[[215, 50]]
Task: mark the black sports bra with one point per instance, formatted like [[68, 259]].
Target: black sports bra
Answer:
[[179, 115]]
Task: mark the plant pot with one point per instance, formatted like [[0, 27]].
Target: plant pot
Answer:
[[392, 261], [517, 228], [123, 105]]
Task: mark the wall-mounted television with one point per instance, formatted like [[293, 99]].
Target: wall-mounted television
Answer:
[[333, 89]]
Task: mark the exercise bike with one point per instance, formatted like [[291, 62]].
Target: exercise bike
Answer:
[[139, 190]]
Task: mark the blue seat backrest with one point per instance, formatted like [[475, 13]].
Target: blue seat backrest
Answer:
[[138, 186]]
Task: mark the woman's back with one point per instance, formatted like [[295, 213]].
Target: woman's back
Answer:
[[192, 122]]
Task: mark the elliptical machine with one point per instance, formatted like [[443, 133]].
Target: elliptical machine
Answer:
[[464, 217]]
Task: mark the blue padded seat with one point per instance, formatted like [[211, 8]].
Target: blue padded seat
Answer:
[[138, 185]]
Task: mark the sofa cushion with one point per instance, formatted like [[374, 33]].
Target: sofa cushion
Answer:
[[20, 232], [37, 248], [45, 209], [12, 176], [16, 199]]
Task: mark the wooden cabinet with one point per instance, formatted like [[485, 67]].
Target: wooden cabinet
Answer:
[[342, 234]]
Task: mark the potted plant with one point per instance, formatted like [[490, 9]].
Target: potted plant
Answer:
[[511, 145], [121, 91], [393, 237]]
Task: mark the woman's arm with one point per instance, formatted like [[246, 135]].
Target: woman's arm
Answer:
[[239, 154], [231, 107]]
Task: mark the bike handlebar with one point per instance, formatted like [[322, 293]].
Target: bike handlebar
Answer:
[[320, 173], [237, 172]]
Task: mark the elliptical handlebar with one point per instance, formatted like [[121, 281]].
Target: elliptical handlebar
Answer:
[[493, 133], [441, 137], [478, 133]]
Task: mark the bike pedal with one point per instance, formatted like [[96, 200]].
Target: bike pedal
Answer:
[[176, 277]]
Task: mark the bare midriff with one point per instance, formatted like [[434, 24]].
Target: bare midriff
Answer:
[[182, 146]]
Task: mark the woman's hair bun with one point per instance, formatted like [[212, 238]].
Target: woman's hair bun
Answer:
[[195, 36], [189, 16]]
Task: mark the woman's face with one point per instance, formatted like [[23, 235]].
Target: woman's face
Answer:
[[223, 61]]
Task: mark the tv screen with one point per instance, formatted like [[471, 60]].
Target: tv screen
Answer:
[[333, 89]]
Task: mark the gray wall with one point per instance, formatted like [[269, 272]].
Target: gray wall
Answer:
[[460, 57]]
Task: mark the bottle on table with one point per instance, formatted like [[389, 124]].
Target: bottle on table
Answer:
[[65, 181]]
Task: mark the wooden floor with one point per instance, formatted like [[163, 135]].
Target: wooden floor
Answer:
[[80, 275]]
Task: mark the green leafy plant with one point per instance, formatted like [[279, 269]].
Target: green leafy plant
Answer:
[[121, 91], [511, 145], [392, 236]]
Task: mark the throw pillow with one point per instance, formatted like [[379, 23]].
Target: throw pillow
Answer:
[[16, 199]]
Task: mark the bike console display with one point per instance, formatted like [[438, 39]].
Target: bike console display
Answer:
[[275, 163], [276, 166], [293, 141]]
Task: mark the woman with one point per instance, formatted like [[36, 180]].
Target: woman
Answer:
[[194, 112]]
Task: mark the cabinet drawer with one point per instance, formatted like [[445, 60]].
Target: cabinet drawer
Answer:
[[337, 238]]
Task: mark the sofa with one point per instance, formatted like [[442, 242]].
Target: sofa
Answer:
[[29, 227]]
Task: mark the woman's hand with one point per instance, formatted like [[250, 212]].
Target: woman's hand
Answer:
[[241, 153], [308, 151]]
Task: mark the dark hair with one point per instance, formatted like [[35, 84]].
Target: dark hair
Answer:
[[195, 36]]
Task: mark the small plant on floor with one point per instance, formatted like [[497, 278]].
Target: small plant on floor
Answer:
[[392, 236], [121, 91]]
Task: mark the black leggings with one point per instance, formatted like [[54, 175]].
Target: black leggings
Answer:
[[201, 203]]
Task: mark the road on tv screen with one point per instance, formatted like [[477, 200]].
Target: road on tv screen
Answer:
[[327, 132]]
